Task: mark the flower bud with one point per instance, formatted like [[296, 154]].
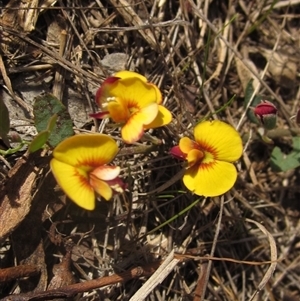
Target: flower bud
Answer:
[[266, 112], [15, 137], [177, 153]]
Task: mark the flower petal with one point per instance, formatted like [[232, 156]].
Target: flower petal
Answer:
[[106, 172], [134, 92], [186, 145], [118, 110], [147, 114], [265, 108], [210, 180], [74, 182], [103, 92], [129, 74], [177, 153], [100, 115], [163, 117], [194, 156], [117, 185], [101, 187], [133, 130], [86, 151], [219, 139], [159, 98]]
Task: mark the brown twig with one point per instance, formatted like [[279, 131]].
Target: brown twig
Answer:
[[19, 271], [72, 290], [201, 282]]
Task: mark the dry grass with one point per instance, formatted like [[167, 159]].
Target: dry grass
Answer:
[[200, 55]]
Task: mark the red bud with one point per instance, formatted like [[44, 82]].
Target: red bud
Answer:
[[177, 153], [267, 113]]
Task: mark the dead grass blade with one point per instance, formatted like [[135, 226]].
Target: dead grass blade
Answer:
[[273, 258], [213, 248], [131, 18], [160, 274], [10, 89], [238, 55]]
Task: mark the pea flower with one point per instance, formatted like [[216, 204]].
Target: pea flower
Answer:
[[128, 99], [209, 158], [80, 166], [266, 112]]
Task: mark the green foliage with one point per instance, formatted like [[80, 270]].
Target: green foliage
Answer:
[[42, 137], [255, 101], [14, 150], [52, 121], [39, 140], [283, 162]]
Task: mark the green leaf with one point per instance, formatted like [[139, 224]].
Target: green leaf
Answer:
[[52, 123], [51, 115], [39, 140], [255, 101], [63, 129], [296, 144], [283, 162]]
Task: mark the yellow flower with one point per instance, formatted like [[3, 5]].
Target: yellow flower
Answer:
[[80, 167], [127, 98], [210, 171]]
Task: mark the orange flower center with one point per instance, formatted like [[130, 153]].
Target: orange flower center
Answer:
[[133, 108]]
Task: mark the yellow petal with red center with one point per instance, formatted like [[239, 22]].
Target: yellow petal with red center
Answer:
[[101, 187], [162, 118], [118, 110], [86, 151], [219, 139], [129, 74], [74, 182], [134, 92], [133, 130], [106, 172], [186, 145], [210, 180], [194, 156]]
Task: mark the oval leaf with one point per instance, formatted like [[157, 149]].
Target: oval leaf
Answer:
[[51, 115], [255, 101], [39, 141]]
